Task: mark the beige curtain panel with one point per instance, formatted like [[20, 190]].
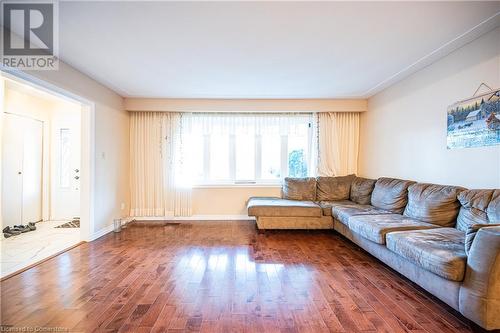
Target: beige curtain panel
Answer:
[[338, 143], [154, 155]]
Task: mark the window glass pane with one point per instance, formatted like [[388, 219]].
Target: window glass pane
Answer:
[[64, 158], [245, 156], [194, 157], [224, 147], [271, 157], [297, 155], [219, 157]]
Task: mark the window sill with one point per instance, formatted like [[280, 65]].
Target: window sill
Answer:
[[261, 185]]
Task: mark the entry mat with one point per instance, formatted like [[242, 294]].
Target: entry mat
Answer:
[[71, 224]]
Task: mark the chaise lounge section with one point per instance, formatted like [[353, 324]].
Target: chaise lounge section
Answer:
[[444, 238], [277, 213]]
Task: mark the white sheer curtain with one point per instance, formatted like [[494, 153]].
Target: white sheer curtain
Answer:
[[258, 125], [156, 155], [249, 123], [338, 143]]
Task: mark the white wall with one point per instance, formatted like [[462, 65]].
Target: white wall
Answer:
[[245, 105], [403, 133], [228, 200], [111, 141]]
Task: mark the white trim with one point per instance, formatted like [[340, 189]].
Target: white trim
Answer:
[[87, 190], [258, 156], [193, 218], [284, 156], [33, 81], [2, 96], [206, 157], [100, 233], [232, 156]]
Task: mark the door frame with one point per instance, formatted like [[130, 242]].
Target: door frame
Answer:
[[87, 217]]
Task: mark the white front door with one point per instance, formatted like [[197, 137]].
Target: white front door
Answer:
[[65, 161], [22, 156]]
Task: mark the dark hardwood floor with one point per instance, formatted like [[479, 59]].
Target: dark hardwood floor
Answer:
[[220, 277]]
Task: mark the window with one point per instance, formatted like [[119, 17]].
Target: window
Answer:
[[245, 156], [270, 158], [247, 148], [64, 158]]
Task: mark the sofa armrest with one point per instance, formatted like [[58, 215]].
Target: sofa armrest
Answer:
[[479, 298], [470, 234]]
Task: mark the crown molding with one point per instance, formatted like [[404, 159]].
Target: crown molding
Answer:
[[475, 32]]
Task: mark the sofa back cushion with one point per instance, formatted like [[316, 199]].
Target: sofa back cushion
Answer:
[[333, 188], [493, 209], [474, 208], [391, 194], [299, 188], [361, 190], [431, 203]]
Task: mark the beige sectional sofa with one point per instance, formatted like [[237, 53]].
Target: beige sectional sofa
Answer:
[[444, 238]]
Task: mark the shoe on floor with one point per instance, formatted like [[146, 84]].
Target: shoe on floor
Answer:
[[32, 226], [22, 228], [8, 232]]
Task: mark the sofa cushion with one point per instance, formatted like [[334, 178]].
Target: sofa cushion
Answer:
[[375, 227], [260, 206], [493, 209], [327, 206], [361, 190], [474, 206], [344, 212], [333, 188], [436, 204], [391, 194], [299, 188], [439, 250]]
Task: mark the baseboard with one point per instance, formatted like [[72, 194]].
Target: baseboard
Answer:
[[102, 232], [194, 218]]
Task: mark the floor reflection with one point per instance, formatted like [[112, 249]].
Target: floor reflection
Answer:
[[218, 277]]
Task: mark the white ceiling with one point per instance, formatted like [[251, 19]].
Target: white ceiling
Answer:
[[262, 49]]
